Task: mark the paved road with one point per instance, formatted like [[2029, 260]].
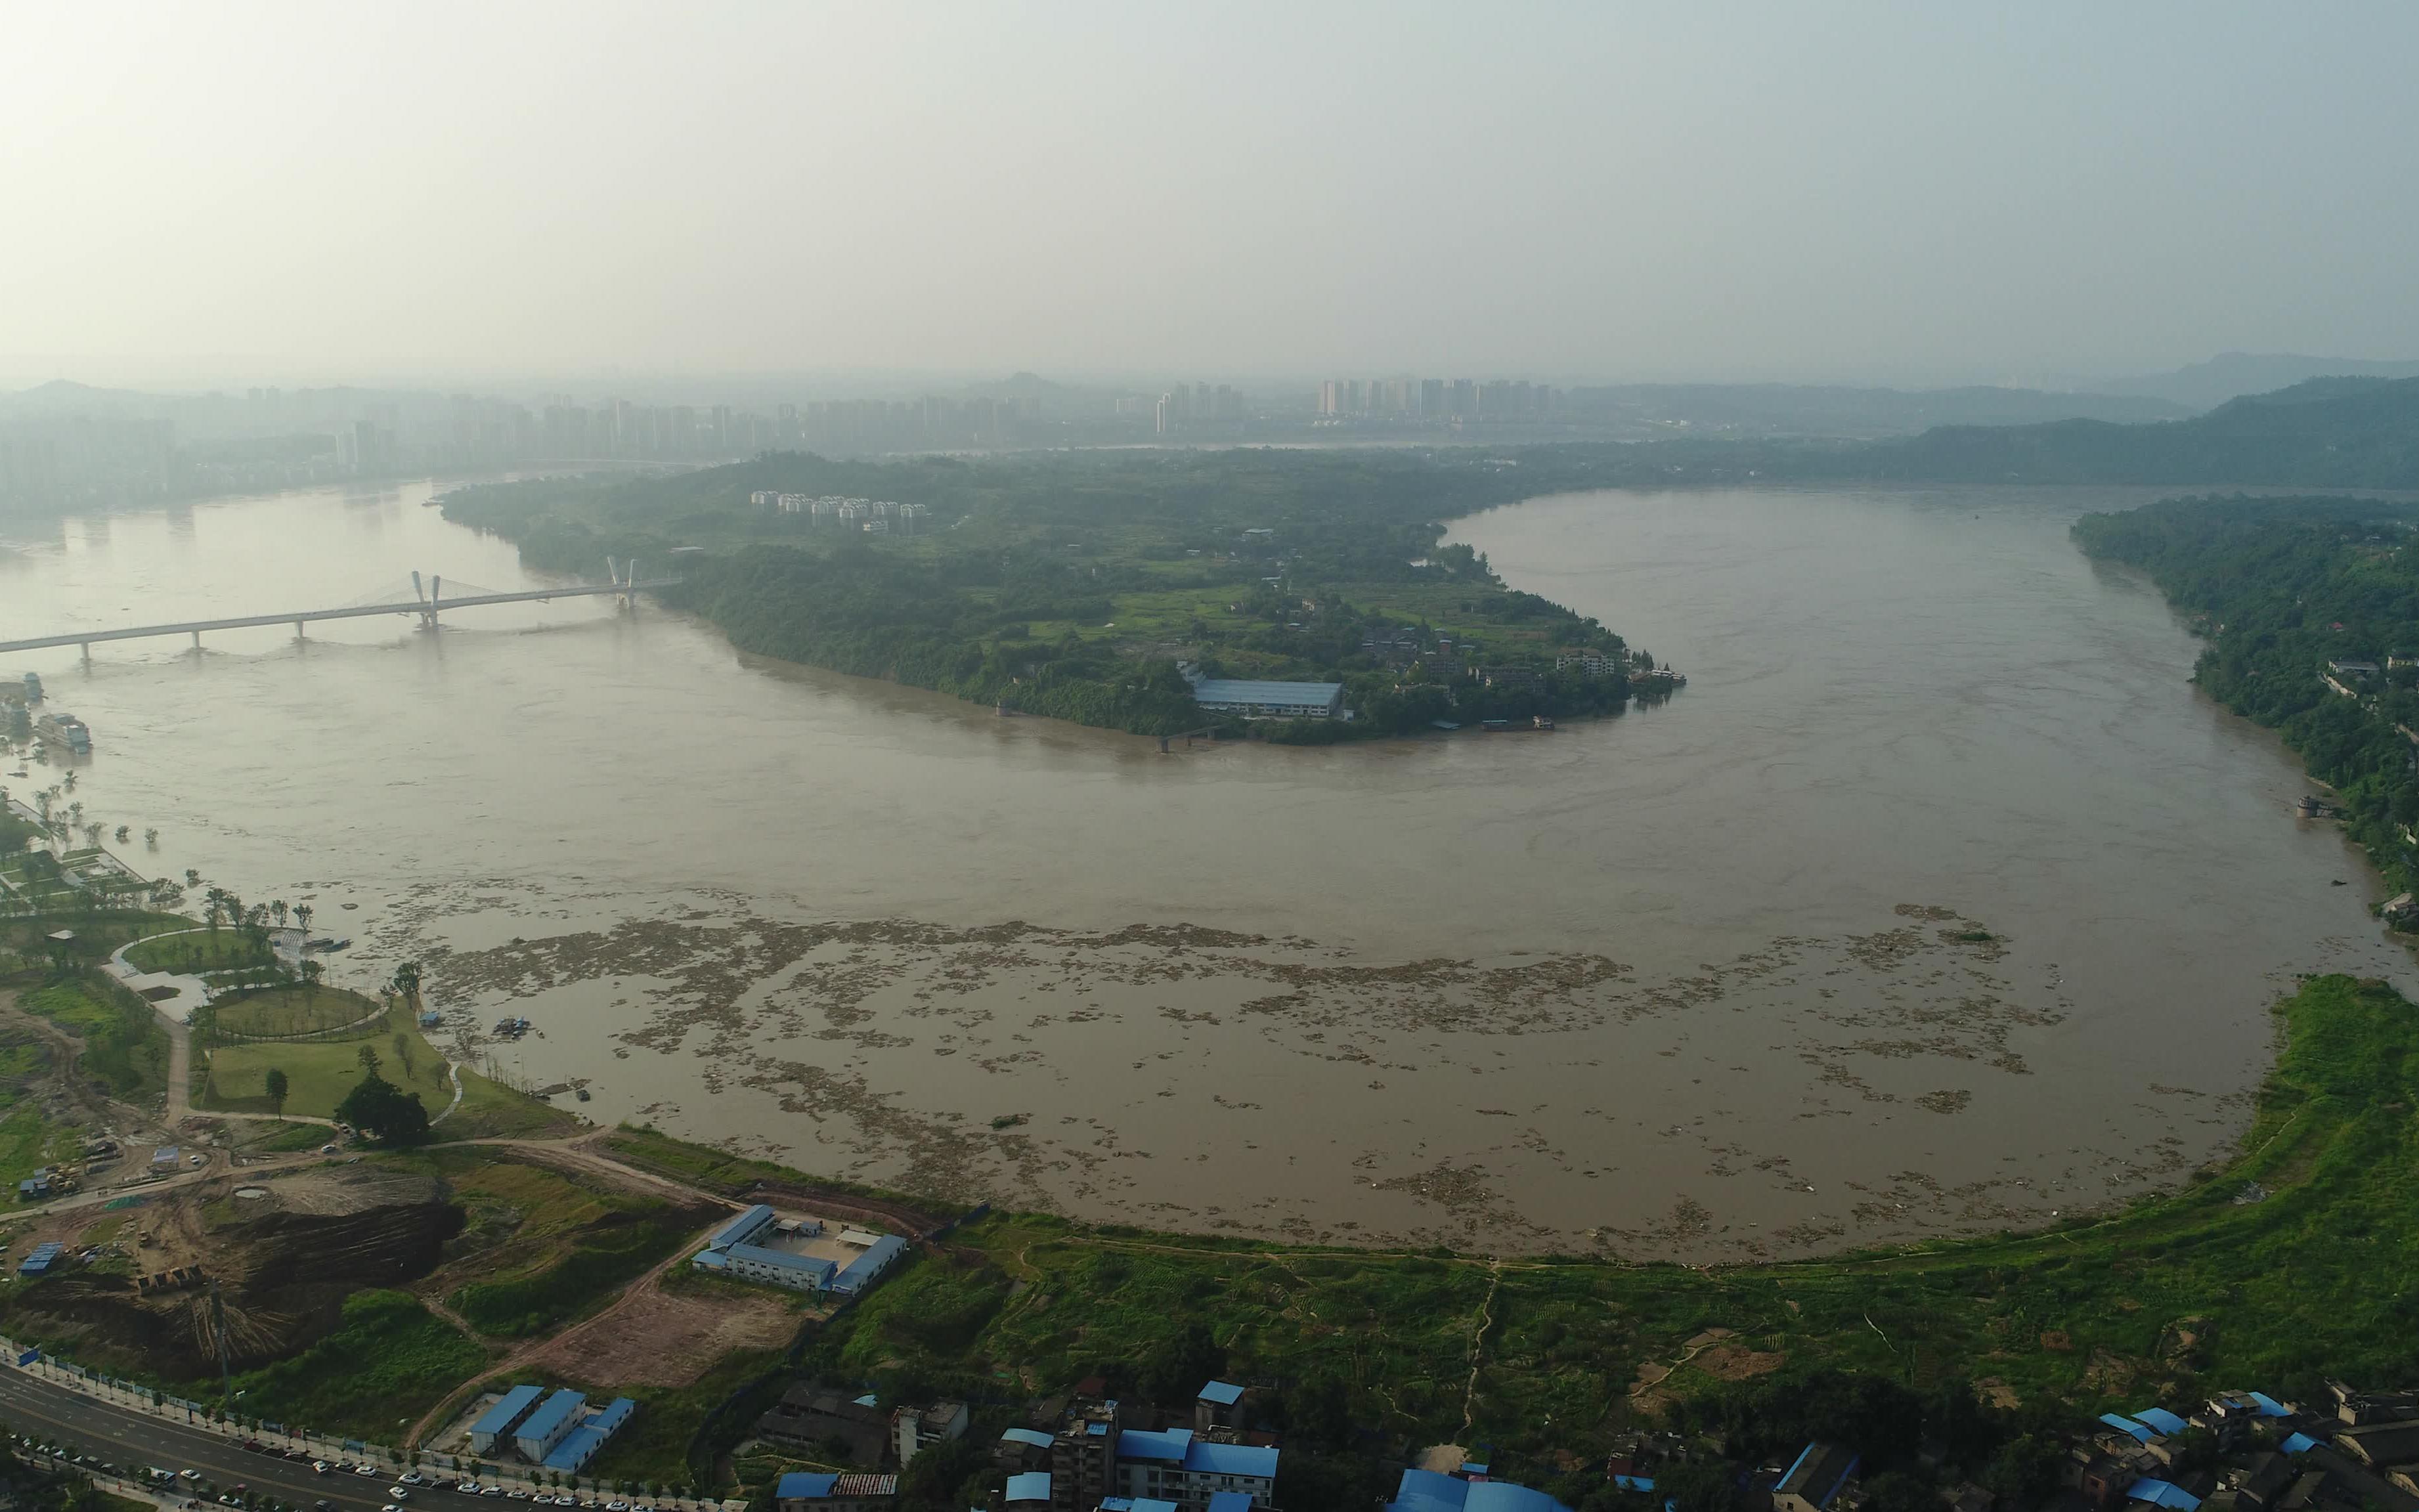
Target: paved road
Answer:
[[131, 1437]]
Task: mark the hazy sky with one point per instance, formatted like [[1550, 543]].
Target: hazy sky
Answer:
[[1917, 192]]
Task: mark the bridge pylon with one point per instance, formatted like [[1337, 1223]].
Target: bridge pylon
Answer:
[[428, 600]]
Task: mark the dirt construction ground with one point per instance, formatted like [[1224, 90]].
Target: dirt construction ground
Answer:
[[656, 1339]]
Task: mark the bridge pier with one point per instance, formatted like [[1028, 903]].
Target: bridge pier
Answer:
[[298, 631], [197, 639]]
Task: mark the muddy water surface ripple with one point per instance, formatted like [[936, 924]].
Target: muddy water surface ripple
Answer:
[[1939, 900]]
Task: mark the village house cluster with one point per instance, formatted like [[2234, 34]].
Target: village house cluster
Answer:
[[1082, 1453]]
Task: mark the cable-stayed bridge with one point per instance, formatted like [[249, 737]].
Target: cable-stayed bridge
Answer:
[[426, 602]]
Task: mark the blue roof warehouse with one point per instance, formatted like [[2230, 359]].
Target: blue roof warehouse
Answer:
[[796, 1254]]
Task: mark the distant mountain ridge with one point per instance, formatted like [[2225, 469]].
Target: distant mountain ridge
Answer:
[[1777, 409], [2234, 374], [2331, 432]]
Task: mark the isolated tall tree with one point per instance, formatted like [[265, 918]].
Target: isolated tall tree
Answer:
[[277, 911], [274, 1084], [406, 981], [369, 1059]]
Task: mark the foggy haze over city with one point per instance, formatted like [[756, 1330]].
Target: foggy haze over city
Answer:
[[248, 194]]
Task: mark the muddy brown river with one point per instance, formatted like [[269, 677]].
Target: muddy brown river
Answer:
[[1937, 901]]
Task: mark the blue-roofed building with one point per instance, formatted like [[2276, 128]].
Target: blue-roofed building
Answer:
[[2141, 1431], [498, 1420], [548, 1425], [1230, 1502], [1814, 1479], [580, 1444], [741, 1229], [1030, 1438], [773, 1267], [2162, 1494], [1031, 1489], [800, 1491], [2160, 1419], [861, 1272], [2298, 1444], [1180, 1466], [41, 1259], [1219, 1405], [2269, 1406], [1427, 1491], [1255, 700]]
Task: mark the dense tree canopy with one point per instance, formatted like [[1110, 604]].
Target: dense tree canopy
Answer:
[[384, 1113]]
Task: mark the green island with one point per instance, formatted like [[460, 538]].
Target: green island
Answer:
[[1081, 586]]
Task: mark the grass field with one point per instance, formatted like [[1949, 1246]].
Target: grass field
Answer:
[[489, 1111], [320, 1072], [603, 1260], [214, 950], [390, 1360], [288, 1010], [125, 1046]]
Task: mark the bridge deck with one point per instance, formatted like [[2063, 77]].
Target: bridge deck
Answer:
[[411, 605]]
